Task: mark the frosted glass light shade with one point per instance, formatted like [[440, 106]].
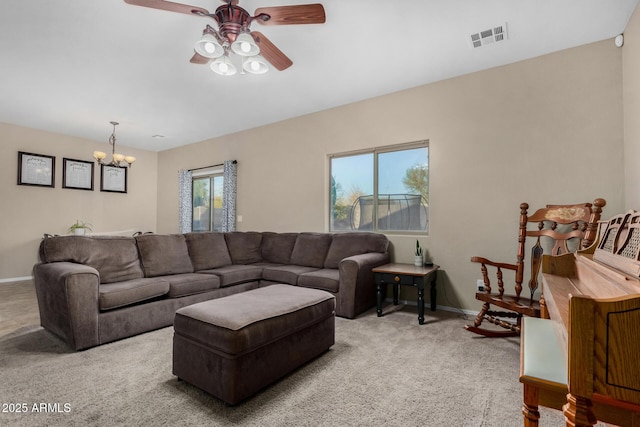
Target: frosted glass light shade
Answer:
[[129, 159], [118, 157], [255, 65], [244, 45], [223, 66], [99, 155], [209, 47]]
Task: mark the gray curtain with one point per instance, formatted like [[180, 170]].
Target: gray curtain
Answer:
[[229, 196], [185, 188]]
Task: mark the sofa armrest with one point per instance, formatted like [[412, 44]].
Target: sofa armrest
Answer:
[[68, 301], [356, 292]]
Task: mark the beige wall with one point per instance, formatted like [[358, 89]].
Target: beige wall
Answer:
[[631, 102], [546, 130], [27, 212]]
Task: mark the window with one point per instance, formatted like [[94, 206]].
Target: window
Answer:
[[207, 202], [384, 189]]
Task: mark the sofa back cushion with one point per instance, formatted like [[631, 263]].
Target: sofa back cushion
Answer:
[[164, 254], [244, 247], [207, 250], [310, 249], [277, 247], [344, 245], [115, 258]]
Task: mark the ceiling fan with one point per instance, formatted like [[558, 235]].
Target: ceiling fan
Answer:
[[233, 34]]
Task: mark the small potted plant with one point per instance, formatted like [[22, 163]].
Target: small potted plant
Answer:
[[417, 261], [79, 228]]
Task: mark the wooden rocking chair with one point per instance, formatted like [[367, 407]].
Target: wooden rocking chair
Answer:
[[559, 224]]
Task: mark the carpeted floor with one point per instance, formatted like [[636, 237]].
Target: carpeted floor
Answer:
[[386, 371]]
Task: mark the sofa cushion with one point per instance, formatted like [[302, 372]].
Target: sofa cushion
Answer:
[[344, 245], [277, 247], [234, 274], [120, 294], [207, 250], [115, 258], [310, 249], [244, 247], [164, 254], [327, 279], [285, 273], [190, 284]]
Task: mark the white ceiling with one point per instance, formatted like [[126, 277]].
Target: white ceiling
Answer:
[[71, 66]]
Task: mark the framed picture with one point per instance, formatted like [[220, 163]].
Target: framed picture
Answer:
[[113, 179], [36, 169], [77, 174]]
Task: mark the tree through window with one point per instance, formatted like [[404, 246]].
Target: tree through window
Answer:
[[385, 189], [207, 202]]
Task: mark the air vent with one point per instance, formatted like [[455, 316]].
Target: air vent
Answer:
[[492, 35]]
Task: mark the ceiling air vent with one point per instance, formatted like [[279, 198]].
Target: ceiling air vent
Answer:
[[492, 35]]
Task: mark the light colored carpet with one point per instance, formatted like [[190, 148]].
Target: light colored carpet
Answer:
[[386, 371]]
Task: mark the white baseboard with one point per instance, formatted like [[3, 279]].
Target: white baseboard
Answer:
[[16, 279], [438, 307]]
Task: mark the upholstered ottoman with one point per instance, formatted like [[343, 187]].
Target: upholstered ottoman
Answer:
[[234, 346]]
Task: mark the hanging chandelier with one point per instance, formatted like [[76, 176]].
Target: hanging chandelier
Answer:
[[116, 159]]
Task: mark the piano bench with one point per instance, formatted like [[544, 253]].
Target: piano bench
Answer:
[[543, 368]]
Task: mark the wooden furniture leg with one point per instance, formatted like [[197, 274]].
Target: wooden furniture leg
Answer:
[[530, 406], [578, 412]]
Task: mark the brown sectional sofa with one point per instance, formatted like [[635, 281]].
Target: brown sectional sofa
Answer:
[[94, 290]]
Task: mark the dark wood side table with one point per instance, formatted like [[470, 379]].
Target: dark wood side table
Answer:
[[409, 275]]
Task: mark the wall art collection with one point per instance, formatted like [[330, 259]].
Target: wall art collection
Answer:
[[40, 170]]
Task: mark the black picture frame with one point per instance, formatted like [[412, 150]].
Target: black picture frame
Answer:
[[77, 174], [36, 169], [113, 179]]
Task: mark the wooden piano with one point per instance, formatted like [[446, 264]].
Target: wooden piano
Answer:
[[592, 298]]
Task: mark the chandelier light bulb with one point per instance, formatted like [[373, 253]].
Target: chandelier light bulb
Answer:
[[224, 67], [255, 65], [246, 47]]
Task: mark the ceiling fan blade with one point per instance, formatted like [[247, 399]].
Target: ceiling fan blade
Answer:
[[198, 59], [170, 6], [270, 52], [287, 15]]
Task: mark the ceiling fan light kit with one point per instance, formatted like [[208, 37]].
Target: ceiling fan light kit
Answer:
[[233, 35]]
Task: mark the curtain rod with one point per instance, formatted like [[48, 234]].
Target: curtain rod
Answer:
[[210, 166]]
